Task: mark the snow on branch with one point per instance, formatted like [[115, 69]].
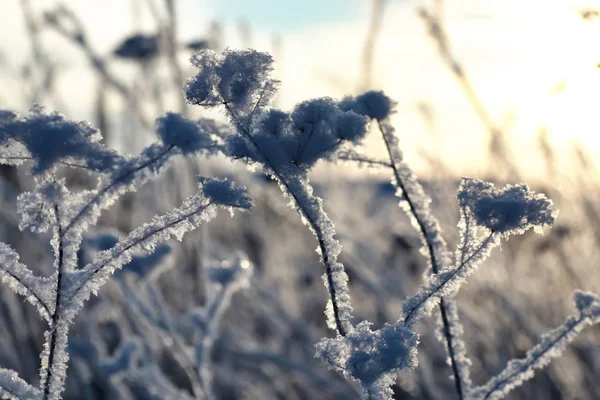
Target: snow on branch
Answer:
[[371, 357], [14, 388], [287, 145], [49, 139], [551, 345], [498, 212], [50, 142], [350, 155], [195, 210], [178, 135], [37, 291]]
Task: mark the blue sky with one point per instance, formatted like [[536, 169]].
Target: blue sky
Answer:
[[288, 15]]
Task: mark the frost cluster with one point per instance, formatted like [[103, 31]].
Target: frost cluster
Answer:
[[49, 142]]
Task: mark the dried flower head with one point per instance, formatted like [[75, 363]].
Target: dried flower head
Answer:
[[371, 357], [512, 210]]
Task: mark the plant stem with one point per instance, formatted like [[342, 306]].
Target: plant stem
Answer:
[[432, 256]]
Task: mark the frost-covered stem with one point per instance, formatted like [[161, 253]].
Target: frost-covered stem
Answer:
[[214, 314], [328, 258], [426, 235], [125, 247], [452, 328], [414, 312], [394, 164], [55, 324], [39, 302], [114, 183], [26, 158], [177, 347], [364, 160], [511, 377], [170, 340], [458, 380], [13, 387]]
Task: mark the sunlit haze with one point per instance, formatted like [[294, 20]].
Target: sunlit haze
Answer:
[[531, 64]]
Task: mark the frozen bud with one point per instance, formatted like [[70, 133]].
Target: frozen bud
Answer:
[[175, 130], [372, 104], [351, 126], [224, 192], [511, 210]]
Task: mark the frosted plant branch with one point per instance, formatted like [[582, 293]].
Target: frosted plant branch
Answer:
[[551, 345], [310, 208], [179, 137], [417, 201], [452, 333], [103, 194], [39, 292], [51, 141], [350, 155], [14, 388], [287, 145], [197, 209], [54, 366], [378, 106], [431, 237], [445, 283], [452, 327], [13, 160]]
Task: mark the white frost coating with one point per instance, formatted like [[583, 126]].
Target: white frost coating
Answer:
[[39, 292], [416, 203], [239, 78], [81, 210], [49, 139], [350, 155], [84, 208], [14, 388], [458, 346], [500, 213], [287, 145], [445, 283], [551, 345], [371, 357], [195, 210], [310, 207], [52, 142], [508, 211], [55, 359]]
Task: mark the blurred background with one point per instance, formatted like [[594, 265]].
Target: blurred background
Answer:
[[502, 90]]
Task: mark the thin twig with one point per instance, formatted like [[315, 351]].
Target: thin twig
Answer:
[[432, 257]]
